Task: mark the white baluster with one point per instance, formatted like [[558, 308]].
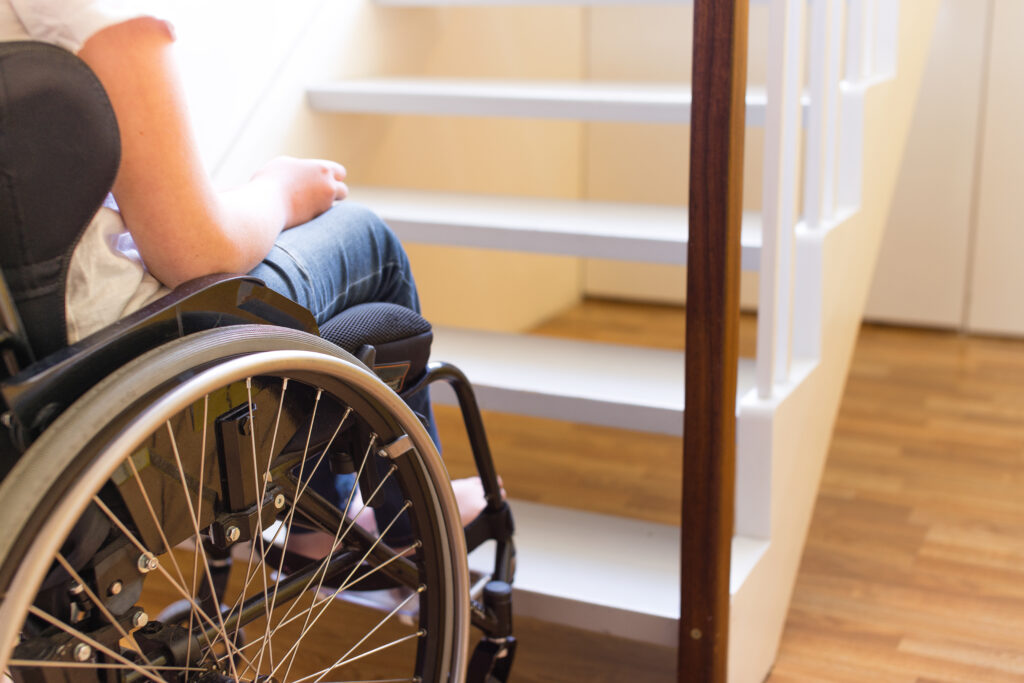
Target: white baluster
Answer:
[[782, 140], [823, 55]]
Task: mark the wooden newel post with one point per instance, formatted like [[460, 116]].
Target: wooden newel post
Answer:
[[712, 317]]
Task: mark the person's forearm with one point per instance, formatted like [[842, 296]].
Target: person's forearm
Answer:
[[229, 232], [182, 226]]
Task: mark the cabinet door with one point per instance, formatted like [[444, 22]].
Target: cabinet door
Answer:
[[996, 301], [923, 262]]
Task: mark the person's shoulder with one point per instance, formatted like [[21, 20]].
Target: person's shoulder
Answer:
[[69, 23]]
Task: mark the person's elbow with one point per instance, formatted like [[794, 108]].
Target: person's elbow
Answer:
[[215, 251]]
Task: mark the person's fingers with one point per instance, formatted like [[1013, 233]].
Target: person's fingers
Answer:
[[337, 170], [340, 190]]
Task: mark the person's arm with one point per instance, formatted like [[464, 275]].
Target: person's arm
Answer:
[[182, 226]]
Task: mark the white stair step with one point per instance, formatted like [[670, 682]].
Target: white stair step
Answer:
[[578, 100], [604, 573], [609, 230], [564, 379]]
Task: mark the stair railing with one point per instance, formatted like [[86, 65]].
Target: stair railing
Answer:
[[831, 178], [846, 44], [717, 122]]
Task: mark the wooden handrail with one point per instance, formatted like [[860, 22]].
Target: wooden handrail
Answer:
[[712, 319]]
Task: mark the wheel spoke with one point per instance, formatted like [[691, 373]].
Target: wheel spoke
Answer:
[[262, 488], [291, 512], [206, 560], [319, 676], [323, 571], [289, 518], [94, 644], [99, 604], [303, 485], [49, 664], [160, 567], [199, 540], [336, 543], [159, 527], [354, 582], [249, 574], [344, 585], [369, 633]]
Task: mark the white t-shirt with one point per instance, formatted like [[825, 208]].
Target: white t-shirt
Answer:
[[106, 278]]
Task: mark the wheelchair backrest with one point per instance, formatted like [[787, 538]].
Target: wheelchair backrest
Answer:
[[59, 154]]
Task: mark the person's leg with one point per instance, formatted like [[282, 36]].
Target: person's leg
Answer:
[[344, 257]]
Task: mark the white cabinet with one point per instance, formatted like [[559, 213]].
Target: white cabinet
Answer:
[[954, 241]]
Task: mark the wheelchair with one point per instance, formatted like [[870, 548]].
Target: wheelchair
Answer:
[[164, 478]]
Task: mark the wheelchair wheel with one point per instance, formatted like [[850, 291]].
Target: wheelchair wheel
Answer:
[[151, 531]]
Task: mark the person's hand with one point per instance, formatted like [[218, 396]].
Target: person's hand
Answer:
[[309, 186]]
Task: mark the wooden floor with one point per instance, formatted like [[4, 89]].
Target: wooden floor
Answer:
[[914, 568]]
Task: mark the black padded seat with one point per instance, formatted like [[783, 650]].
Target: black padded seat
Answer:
[[400, 338]]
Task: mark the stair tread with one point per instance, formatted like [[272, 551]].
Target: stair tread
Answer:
[[603, 572], [579, 100], [586, 228], [577, 381]]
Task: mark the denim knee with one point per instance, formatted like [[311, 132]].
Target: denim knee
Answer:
[[396, 268], [378, 232]]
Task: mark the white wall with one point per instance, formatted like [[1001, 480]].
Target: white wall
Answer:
[[231, 52]]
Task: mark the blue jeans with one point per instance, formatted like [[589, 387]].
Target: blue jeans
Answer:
[[344, 257]]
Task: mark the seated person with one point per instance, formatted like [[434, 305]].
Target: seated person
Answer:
[[167, 224]]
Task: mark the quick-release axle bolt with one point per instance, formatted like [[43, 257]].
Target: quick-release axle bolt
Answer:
[[147, 563], [279, 501], [233, 533], [82, 652], [139, 619]]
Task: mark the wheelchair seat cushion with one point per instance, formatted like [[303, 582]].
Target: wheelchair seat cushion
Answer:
[[400, 337], [59, 154]]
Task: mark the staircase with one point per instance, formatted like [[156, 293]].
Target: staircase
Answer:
[[832, 146]]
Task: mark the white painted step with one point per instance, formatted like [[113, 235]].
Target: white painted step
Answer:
[[603, 573], [575, 381], [577, 100], [609, 230]]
